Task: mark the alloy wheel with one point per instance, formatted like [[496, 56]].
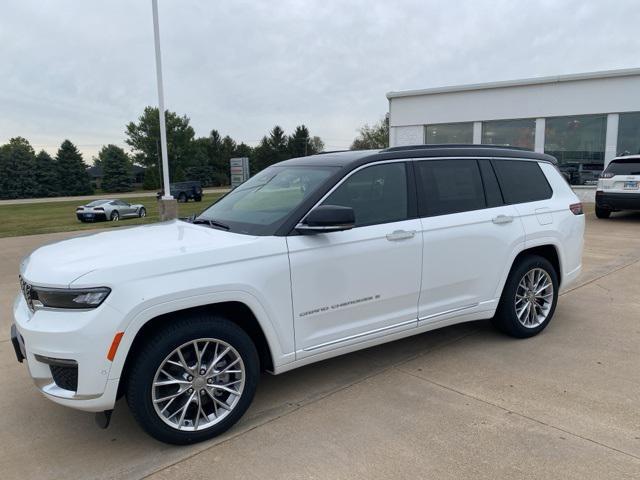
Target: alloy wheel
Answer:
[[534, 298], [198, 384]]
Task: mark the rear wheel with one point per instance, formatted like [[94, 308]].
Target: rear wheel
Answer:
[[198, 198], [529, 298], [142, 212], [602, 212], [115, 216], [182, 198], [193, 380]]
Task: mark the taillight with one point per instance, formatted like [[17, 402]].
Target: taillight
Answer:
[[576, 208], [99, 209], [606, 175]]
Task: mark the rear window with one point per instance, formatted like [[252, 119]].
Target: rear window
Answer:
[[450, 186], [624, 167], [522, 181]]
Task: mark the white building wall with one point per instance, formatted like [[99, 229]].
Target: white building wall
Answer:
[[613, 92]]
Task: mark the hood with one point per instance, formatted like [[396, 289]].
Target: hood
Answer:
[[131, 250]]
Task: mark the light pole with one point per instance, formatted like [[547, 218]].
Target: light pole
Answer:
[[167, 204]]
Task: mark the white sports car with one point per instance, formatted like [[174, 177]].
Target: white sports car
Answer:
[[112, 210]]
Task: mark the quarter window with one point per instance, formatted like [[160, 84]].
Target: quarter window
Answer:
[[522, 181], [450, 186], [377, 194]]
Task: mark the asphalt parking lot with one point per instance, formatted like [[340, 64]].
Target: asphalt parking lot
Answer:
[[459, 402]]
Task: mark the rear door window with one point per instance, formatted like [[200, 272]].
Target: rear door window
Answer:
[[522, 181], [449, 186]]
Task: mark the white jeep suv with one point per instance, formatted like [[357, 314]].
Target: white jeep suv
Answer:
[[311, 258], [619, 186]]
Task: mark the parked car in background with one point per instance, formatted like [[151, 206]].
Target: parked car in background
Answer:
[[185, 191], [619, 186], [109, 209], [588, 173], [569, 171], [311, 258]]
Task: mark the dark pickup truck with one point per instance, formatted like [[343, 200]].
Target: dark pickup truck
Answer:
[[185, 191]]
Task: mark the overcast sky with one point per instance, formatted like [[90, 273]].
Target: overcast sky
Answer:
[[83, 69]]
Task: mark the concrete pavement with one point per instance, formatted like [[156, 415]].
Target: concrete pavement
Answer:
[[459, 402]]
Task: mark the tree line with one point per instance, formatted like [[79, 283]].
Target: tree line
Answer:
[[26, 174]]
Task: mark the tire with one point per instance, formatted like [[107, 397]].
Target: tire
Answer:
[[142, 212], [150, 364], [602, 212], [198, 198], [182, 198], [507, 319], [115, 216]]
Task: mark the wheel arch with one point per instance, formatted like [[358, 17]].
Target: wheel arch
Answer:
[[235, 311], [546, 249]]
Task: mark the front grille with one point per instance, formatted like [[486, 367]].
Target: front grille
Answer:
[[66, 377]]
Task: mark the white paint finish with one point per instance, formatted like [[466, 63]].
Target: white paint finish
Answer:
[[477, 133], [407, 135], [540, 135], [381, 278], [452, 245], [611, 139], [564, 230], [577, 97]]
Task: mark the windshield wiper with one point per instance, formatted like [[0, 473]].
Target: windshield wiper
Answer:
[[211, 223]]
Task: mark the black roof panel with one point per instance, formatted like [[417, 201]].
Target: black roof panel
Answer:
[[353, 158]]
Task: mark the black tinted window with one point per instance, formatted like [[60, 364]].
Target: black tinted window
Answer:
[[450, 186], [522, 181], [624, 167], [491, 187], [377, 194]]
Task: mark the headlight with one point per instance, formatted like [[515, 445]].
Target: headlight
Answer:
[[67, 298]]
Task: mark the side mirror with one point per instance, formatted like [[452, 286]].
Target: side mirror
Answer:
[[327, 218]]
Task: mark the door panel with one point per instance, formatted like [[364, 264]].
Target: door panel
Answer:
[[469, 236], [352, 283], [465, 257]]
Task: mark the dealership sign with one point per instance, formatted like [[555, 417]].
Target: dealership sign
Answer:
[[239, 170]]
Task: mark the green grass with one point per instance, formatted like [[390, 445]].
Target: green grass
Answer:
[[50, 217]]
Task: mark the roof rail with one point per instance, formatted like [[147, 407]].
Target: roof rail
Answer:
[[452, 145]]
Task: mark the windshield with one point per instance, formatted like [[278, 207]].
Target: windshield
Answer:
[[95, 203], [262, 203]]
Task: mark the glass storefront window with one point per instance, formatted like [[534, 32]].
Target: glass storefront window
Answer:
[[449, 133], [576, 140], [510, 133], [629, 134]]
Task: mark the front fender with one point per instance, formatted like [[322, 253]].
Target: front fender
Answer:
[[132, 327]]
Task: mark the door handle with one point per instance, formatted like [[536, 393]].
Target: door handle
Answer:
[[501, 219], [400, 235]]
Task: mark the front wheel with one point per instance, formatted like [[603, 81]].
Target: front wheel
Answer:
[[142, 212], [529, 298], [193, 380], [602, 212]]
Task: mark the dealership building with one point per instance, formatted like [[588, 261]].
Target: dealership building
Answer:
[[585, 118]]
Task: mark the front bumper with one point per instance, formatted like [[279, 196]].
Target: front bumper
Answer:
[[618, 201], [52, 340]]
